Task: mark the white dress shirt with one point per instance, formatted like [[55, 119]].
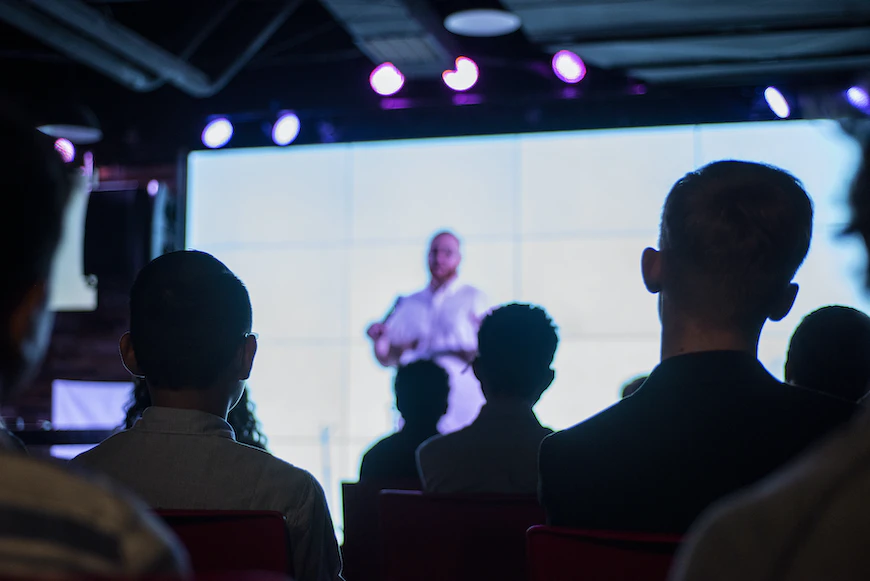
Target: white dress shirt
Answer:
[[187, 459], [442, 323], [498, 453]]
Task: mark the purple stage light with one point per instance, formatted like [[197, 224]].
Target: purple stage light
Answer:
[[569, 67], [153, 187], [217, 133], [858, 98], [286, 129], [464, 76], [777, 102], [386, 79], [66, 149]]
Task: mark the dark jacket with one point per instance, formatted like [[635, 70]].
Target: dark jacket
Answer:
[[702, 426]]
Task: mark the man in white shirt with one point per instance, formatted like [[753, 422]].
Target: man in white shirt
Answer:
[[440, 323], [498, 453]]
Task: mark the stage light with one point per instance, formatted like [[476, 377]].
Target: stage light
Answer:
[[386, 79], [858, 98], [217, 133], [464, 76], [66, 149], [777, 102], [485, 22], [286, 129], [569, 67], [153, 187]]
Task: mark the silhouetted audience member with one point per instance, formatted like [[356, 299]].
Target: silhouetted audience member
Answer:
[[190, 339], [633, 385], [811, 520], [710, 419], [422, 389], [498, 452], [242, 418], [54, 523], [830, 352]]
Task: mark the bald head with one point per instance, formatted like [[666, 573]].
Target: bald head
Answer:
[[444, 257]]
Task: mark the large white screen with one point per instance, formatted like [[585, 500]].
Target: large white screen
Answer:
[[326, 236]]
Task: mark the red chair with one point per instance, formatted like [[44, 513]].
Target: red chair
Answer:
[[362, 551], [558, 554], [232, 540], [429, 537]]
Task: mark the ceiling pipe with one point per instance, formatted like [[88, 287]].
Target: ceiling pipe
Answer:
[[72, 45], [143, 52]]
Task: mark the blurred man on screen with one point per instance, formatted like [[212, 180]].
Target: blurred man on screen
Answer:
[[440, 323]]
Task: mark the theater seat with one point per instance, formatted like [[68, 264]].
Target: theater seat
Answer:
[[362, 551], [232, 540], [433, 537], [558, 554]]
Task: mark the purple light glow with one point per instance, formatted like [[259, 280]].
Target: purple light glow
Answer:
[[569, 67], [286, 129], [858, 98], [66, 149], [777, 102], [386, 79], [217, 133], [464, 76], [153, 187]]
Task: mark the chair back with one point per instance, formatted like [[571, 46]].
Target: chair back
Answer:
[[232, 540], [559, 554], [433, 537], [362, 553]]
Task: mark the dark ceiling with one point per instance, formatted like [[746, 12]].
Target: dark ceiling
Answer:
[[650, 61]]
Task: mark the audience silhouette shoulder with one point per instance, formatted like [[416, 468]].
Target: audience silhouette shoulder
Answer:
[[709, 419], [55, 522], [190, 340], [498, 452], [421, 389]]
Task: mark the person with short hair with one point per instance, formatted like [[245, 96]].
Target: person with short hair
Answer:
[[55, 523], [190, 339], [830, 352], [439, 323], [498, 452], [810, 520], [421, 389], [710, 419]]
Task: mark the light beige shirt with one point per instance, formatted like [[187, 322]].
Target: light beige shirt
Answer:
[[54, 522], [185, 459], [497, 453]]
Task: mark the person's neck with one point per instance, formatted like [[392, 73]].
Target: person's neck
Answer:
[[190, 399], [509, 401], [437, 284], [420, 429], [683, 335]]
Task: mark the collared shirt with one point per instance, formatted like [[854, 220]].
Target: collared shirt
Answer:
[[54, 522], [394, 458], [186, 459], [442, 323], [807, 522], [702, 426], [497, 453]]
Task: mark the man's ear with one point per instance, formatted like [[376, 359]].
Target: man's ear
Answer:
[[249, 351], [783, 304], [651, 270], [477, 368], [128, 356]]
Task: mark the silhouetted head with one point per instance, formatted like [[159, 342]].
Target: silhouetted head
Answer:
[[516, 346], [190, 326], [35, 190], [444, 257], [421, 390], [633, 385], [733, 234], [830, 352]]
